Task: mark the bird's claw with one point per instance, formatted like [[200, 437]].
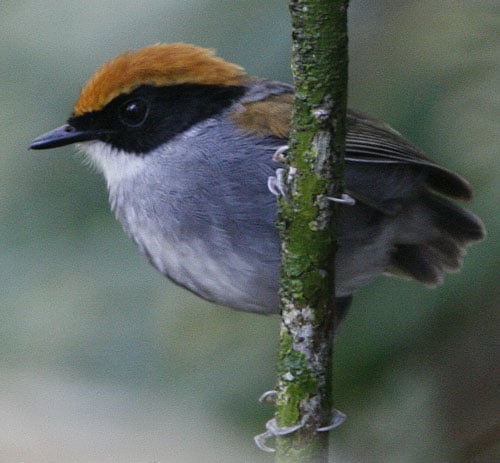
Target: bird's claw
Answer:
[[278, 184], [273, 430], [280, 154], [337, 419], [260, 441], [269, 397], [344, 199]]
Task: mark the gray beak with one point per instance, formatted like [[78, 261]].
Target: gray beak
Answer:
[[62, 136]]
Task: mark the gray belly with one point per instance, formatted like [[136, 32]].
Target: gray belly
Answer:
[[245, 275], [228, 278]]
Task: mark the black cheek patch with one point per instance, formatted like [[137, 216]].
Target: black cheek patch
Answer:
[[172, 110]]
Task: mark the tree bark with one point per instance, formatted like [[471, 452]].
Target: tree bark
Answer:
[[307, 223]]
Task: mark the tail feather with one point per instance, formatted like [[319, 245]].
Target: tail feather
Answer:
[[462, 225], [445, 231], [448, 183], [448, 252], [417, 262]]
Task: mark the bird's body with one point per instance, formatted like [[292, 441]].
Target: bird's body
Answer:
[[197, 232], [186, 156]]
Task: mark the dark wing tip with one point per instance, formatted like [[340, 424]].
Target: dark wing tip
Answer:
[[448, 183]]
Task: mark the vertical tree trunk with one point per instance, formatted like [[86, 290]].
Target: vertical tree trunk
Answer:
[[307, 227]]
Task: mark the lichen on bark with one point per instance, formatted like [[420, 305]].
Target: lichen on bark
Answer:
[[306, 221]]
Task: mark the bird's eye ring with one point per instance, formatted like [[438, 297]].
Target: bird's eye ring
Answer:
[[134, 112]]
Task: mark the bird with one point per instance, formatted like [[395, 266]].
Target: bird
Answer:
[[186, 142]]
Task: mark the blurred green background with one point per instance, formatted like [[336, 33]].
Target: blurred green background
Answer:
[[103, 360]]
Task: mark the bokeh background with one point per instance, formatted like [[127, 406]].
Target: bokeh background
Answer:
[[103, 360]]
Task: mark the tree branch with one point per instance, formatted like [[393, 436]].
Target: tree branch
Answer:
[[307, 227]]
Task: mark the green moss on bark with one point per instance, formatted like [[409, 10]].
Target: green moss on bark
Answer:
[[307, 226]]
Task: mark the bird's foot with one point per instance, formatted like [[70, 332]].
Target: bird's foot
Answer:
[[344, 199], [337, 419], [280, 154], [269, 397], [278, 184], [273, 430]]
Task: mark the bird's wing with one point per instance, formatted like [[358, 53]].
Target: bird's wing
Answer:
[[369, 140], [266, 110]]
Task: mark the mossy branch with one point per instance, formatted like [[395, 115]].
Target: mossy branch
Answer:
[[307, 225]]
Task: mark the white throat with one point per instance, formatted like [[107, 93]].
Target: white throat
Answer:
[[116, 165]]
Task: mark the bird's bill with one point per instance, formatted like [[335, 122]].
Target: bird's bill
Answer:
[[62, 136]]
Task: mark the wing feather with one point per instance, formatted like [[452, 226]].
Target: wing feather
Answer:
[[266, 110]]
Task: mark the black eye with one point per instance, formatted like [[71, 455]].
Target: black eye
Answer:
[[133, 113]]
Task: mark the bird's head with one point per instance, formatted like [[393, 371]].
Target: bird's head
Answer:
[[141, 99]]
